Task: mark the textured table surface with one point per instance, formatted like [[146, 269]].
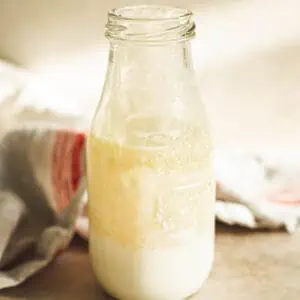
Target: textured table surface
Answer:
[[248, 265]]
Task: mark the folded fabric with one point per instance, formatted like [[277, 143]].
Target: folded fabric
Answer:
[[43, 198], [258, 191], [41, 187]]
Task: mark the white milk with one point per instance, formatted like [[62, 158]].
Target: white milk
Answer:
[[163, 274]]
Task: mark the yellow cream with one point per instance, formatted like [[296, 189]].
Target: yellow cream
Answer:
[[150, 190]]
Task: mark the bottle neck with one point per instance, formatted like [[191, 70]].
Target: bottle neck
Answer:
[[150, 80], [128, 59]]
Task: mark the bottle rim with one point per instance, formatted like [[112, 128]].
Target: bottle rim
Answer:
[[122, 13], [150, 24]]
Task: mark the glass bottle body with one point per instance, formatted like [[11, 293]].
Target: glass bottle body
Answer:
[[150, 175]]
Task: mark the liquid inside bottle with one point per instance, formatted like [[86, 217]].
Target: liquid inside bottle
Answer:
[[151, 225]]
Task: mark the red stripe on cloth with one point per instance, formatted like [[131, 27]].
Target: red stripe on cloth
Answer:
[[285, 197], [76, 160], [58, 171], [66, 166]]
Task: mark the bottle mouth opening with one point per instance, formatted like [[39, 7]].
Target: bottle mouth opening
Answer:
[[149, 13], [150, 24]]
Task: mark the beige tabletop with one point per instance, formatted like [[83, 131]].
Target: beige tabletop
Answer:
[[248, 266]]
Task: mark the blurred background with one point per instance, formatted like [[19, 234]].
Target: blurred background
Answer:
[[53, 58], [246, 55]]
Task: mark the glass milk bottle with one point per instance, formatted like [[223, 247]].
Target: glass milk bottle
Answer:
[[149, 159]]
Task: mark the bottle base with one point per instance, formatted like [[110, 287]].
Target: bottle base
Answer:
[[154, 273], [109, 296]]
